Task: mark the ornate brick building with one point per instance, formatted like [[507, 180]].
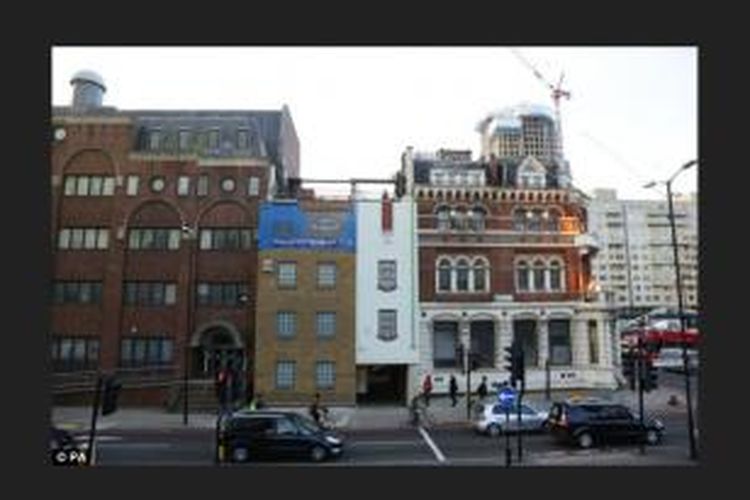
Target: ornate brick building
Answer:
[[154, 217], [504, 253]]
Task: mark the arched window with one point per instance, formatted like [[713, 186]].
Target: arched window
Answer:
[[553, 221], [444, 275], [443, 218], [480, 275], [519, 219], [522, 273], [555, 276], [535, 220], [539, 275], [476, 218], [458, 218], [462, 275]]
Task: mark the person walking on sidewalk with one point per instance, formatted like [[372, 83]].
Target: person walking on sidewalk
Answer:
[[259, 403], [453, 388], [427, 389], [315, 409], [482, 389]]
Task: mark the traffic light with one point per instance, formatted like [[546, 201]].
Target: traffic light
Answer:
[[514, 363], [236, 387], [400, 184], [473, 361], [460, 357], [628, 368], [508, 366], [651, 377], [109, 398], [519, 367], [222, 385]]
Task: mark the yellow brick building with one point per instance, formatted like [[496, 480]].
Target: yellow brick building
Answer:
[[305, 310]]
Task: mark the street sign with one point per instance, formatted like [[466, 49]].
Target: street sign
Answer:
[[507, 397]]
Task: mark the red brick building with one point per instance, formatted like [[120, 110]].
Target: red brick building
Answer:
[[504, 254], [153, 228]]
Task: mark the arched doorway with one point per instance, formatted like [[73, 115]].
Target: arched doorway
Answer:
[[214, 347]]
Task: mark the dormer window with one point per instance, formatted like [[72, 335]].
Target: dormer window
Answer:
[[213, 139], [184, 139], [532, 180], [153, 140], [532, 174], [243, 139]]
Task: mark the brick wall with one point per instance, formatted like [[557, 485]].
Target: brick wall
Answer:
[[305, 348]]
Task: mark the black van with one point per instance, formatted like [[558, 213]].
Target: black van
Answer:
[[264, 435], [587, 422]]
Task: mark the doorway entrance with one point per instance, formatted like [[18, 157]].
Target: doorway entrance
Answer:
[[218, 347], [385, 384]]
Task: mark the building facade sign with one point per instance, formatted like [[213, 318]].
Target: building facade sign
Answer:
[[289, 226]]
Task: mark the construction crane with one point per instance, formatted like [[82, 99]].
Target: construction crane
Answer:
[[557, 94]]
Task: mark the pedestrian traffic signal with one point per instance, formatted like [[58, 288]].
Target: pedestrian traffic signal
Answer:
[[651, 377], [628, 369], [514, 363], [109, 398]]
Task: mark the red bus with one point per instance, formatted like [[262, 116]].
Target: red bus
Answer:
[[661, 329]]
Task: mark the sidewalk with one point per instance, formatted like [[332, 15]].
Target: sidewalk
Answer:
[[603, 458], [440, 413]]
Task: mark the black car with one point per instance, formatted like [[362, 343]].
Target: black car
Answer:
[[63, 449], [588, 422], [259, 435]]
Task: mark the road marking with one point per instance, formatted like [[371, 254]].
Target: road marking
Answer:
[[99, 439], [476, 460], [384, 443], [432, 445]]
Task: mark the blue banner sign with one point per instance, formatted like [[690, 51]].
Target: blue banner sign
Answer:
[[287, 225]]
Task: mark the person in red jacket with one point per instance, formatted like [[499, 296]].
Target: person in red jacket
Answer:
[[427, 389]]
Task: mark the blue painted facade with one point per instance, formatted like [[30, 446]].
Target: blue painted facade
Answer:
[[286, 225]]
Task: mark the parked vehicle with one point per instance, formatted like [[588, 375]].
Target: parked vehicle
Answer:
[[670, 359], [490, 419], [589, 422], [661, 329], [63, 449], [250, 435]]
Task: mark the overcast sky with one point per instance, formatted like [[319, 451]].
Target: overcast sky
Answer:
[[632, 116]]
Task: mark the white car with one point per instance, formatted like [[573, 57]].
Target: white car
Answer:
[[671, 359], [489, 418]]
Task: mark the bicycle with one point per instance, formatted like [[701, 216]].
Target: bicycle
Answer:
[[418, 415]]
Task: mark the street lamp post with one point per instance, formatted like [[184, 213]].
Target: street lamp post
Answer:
[[685, 364], [188, 236]]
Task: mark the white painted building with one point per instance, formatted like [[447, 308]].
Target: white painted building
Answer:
[[387, 343], [635, 264], [592, 349]]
